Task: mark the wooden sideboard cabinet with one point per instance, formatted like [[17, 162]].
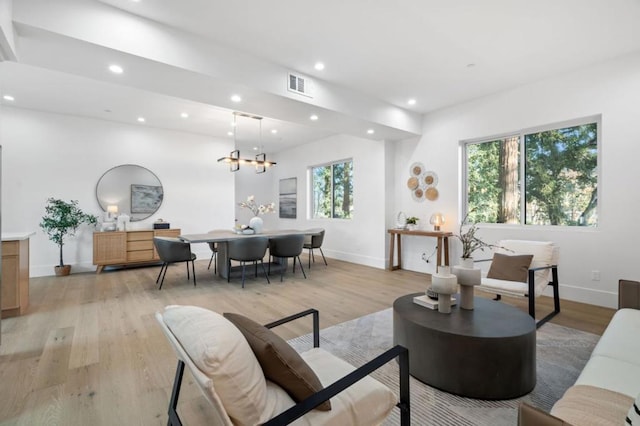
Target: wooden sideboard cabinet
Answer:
[[127, 247], [15, 277]]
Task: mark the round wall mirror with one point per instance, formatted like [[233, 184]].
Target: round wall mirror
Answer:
[[130, 189]]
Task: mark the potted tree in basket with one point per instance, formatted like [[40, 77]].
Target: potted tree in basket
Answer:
[[61, 220]]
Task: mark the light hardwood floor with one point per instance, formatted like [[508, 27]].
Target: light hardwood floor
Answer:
[[89, 352]]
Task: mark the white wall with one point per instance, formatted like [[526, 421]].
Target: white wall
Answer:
[[7, 42], [361, 239], [52, 155], [611, 89], [261, 186]]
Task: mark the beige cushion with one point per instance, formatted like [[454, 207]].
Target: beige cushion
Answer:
[[219, 350], [619, 340], [279, 361], [612, 374], [592, 406], [367, 402], [510, 268]]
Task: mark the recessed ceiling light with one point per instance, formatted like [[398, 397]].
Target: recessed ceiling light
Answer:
[[370, 131], [184, 115], [230, 133], [411, 101], [141, 119], [313, 117], [116, 69], [319, 66], [8, 98], [274, 131], [236, 98]]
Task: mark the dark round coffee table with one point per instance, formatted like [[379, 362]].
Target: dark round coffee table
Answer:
[[485, 353]]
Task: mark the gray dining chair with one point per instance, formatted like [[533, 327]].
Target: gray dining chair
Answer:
[[314, 241], [285, 247], [251, 249], [214, 253], [173, 250]]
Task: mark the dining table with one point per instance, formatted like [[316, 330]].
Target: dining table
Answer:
[[222, 236]]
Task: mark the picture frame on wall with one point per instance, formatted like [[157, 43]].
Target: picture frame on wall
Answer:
[[288, 201], [145, 198]]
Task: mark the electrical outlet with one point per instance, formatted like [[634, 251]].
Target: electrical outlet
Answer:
[[595, 275]]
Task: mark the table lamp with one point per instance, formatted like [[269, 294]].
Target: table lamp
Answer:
[[437, 219], [112, 211]]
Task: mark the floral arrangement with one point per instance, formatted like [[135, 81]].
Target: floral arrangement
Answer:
[[257, 209]]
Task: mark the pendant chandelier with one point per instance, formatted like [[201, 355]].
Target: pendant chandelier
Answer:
[[260, 161]]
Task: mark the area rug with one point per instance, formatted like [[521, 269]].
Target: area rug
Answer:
[[561, 354]]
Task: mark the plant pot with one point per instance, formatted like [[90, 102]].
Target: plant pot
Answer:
[[62, 271]]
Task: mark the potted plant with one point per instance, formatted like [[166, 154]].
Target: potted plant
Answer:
[[412, 222], [61, 220]]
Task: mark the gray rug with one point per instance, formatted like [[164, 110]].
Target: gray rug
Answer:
[[562, 352]]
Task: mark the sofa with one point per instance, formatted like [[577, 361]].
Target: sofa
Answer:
[[609, 384]]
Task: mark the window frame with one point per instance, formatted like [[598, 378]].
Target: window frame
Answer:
[[311, 209], [464, 171]]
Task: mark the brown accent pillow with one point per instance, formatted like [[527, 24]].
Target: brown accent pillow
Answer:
[[280, 362], [510, 268]]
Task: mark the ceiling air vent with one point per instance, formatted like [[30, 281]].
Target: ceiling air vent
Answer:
[[300, 85]]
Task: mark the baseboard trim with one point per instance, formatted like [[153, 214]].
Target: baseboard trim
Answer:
[[589, 296]]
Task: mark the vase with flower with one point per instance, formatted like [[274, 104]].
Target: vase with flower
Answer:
[[468, 276], [256, 222]]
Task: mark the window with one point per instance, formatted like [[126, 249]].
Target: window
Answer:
[[332, 188], [543, 176]]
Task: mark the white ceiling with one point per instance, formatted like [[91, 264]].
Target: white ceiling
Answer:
[[376, 53]]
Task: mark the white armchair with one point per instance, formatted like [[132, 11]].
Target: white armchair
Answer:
[[542, 272], [230, 371]]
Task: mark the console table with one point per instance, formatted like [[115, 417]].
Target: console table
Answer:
[[442, 243], [115, 248], [486, 353]]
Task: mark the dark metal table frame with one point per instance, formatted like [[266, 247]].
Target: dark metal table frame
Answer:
[[485, 353]]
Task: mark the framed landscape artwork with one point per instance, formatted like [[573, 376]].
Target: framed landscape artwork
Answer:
[[145, 198], [288, 198]]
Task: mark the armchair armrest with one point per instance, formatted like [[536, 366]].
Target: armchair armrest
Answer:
[[541, 268], [303, 407], [316, 323], [332, 390], [628, 294]]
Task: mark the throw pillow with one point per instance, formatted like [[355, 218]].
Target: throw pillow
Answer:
[[280, 362], [510, 268], [633, 418]]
